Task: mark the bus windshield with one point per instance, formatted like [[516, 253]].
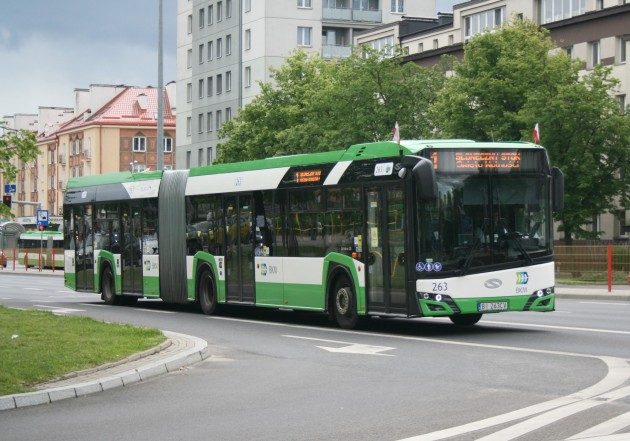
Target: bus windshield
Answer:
[[484, 219]]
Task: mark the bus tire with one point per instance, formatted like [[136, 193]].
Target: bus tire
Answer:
[[465, 319], [344, 304], [108, 293], [206, 294]]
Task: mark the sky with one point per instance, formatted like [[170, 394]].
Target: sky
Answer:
[[49, 48]]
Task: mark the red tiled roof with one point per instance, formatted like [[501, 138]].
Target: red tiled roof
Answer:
[[122, 110]]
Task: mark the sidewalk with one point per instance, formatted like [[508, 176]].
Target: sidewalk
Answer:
[[179, 350]]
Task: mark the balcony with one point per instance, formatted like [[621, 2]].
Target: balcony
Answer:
[[349, 14], [333, 51]]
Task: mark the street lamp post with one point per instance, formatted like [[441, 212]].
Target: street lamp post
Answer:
[[160, 97]]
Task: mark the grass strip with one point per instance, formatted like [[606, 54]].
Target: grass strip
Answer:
[[38, 346]]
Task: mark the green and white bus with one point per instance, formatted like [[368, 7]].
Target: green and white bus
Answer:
[[418, 229], [45, 248]]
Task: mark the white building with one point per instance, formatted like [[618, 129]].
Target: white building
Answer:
[[226, 47]]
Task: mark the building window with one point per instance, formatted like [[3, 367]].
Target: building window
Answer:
[[451, 40], [189, 58], [599, 4], [210, 15], [304, 3], [209, 122], [189, 92], [228, 114], [189, 26], [435, 43], [219, 47], [228, 8], [420, 47], [210, 49], [201, 88], [621, 99], [248, 76], [219, 84], [304, 36], [210, 90], [228, 45], [248, 39], [201, 53], [569, 51], [482, 21], [595, 54], [219, 119], [202, 18], [554, 10], [200, 123], [168, 144], [188, 159], [219, 11], [188, 125], [247, 5], [228, 81], [209, 155], [621, 50], [139, 144], [398, 6], [199, 157]]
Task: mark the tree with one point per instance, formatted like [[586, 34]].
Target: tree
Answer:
[[316, 105], [14, 144], [510, 80]]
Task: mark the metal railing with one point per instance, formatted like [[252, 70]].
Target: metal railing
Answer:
[[595, 263]]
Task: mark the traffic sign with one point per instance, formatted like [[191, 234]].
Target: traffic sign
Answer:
[[10, 188], [42, 218]]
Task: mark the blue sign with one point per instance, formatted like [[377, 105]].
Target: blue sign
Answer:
[[10, 188], [419, 267], [42, 218], [437, 266]]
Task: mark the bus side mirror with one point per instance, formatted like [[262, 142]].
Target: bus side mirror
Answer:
[[557, 193], [426, 184]]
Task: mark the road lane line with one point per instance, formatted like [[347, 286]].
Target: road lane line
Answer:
[[348, 347], [565, 328], [606, 428], [100, 305], [607, 303], [33, 289], [154, 310]]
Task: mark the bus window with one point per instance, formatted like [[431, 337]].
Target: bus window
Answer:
[[306, 222], [149, 227], [343, 222]]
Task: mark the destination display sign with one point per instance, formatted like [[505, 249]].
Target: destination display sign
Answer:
[[487, 161], [308, 176]]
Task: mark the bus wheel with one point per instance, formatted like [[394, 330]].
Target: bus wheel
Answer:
[[107, 286], [344, 304], [465, 319], [205, 292]]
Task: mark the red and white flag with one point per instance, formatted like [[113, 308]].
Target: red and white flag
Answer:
[[396, 133], [536, 134]]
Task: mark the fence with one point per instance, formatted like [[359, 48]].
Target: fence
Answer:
[[38, 258], [599, 263]]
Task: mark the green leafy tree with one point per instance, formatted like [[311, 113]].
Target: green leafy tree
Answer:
[[315, 105], [510, 80], [14, 144]]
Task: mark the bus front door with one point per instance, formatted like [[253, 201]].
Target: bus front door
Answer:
[[385, 249], [131, 253], [239, 247]]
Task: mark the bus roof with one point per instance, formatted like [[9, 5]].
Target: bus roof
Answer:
[[356, 152]]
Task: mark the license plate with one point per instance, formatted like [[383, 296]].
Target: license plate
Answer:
[[492, 306]]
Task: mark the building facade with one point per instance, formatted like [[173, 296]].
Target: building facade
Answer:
[[110, 129], [225, 48], [593, 31]]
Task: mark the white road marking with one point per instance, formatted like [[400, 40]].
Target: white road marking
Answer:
[[33, 289], [6, 298], [72, 292], [154, 310], [607, 303], [43, 301], [100, 305], [566, 328], [606, 428], [58, 310], [349, 348]]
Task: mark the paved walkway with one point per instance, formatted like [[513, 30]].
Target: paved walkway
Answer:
[[178, 351]]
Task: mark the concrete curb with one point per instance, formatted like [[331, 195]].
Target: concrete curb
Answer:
[[608, 297], [170, 363], [33, 272]]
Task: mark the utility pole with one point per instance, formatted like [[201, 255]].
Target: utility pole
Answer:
[[160, 97]]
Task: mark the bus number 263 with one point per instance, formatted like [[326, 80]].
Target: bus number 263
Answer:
[[440, 286]]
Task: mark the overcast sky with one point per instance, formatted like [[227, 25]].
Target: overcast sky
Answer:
[[48, 48]]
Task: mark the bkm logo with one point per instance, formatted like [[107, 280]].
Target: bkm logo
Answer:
[[263, 269], [522, 278]]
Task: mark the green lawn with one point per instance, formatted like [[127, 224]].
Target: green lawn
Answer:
[[37, 346]]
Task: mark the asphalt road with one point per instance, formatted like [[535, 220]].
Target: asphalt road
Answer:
[[280, 375]]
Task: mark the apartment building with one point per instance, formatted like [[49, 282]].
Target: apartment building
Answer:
[[226, 47], [593, 31], [111, 128]]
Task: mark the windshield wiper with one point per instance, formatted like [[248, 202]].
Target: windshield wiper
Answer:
[[511, 235], [469, 256]]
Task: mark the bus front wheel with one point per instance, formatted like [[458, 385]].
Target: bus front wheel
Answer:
[[344, 304], [206, 293], [465, 319]]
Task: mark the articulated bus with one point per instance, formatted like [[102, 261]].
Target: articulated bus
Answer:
[[437, 228]]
